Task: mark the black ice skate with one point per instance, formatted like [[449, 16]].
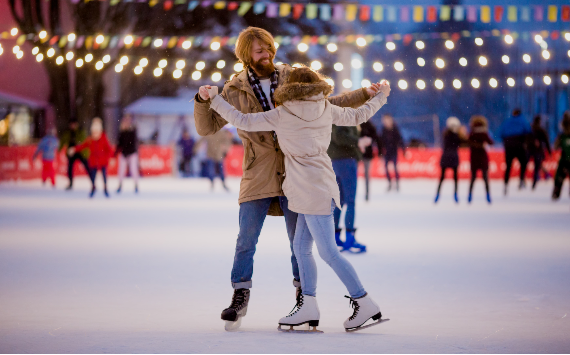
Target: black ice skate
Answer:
[[237, 309]]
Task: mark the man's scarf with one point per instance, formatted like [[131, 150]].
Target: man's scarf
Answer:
[[256, 86]]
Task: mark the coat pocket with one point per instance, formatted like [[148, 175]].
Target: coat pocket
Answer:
[[249, 156]]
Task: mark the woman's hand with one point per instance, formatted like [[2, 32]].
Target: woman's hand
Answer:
[[385, 88], [203, 91]]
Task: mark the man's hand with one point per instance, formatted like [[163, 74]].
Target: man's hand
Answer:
[[204, 92], [373, 89], [212, 91], [385, 88]]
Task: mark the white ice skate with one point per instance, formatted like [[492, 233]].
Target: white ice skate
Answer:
[[364, 309], [306, 312]]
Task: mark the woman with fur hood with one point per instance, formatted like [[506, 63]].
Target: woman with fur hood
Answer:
[[303, 122], [478, 141]]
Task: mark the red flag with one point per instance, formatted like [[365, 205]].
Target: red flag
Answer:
[[565, 13], [455, 36], [53, 40], [167, 5], [364, 12], [431, 14], [298, 11], [314, 40], [407, 39], [554, 34], [499, 10], [233, 6], [138, 41]]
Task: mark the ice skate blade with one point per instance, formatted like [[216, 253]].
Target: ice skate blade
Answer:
[[293, 330], [232, 326], [367, 326]]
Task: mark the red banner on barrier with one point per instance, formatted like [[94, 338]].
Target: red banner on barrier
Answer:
[[16, 162]]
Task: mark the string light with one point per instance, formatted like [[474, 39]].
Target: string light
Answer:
[[118, 68], [69, 56], [106, 58], [302, 47], [545, 54], [35, 50], [200, 65], [124, 60], [511, 82], [509, 39], [475, 83], [361, 42], [20, 54], [482, 60], [128, 39], [316, 65], [421, 62], [365, 83], [220, 64], [162, 63], [356, 63], [479, 41], [16, 49], [547, 80], [98, 65], [339, 66], [232, 76], [439, 84], [88, 58], [528, 81], [399, 66], [420, 44], [71, 37], [186, 44], [276, 45], [297, 65], [449, 44], [505, 59], [99, 39], [79, 63], [157, 72], [538, 39], [402, 84], [421, 84], [439, 63], [567, 36], [43, 34], [329, 81], [14, 31], [1, 49], [59, 60], [143, 62], [493, 82], [457, 84], [196, 75], [564, 78], [157, 43], [138, 70], [181, 64], [40, 57], [569, 52], [526, 58], [177, 74], [238, 67], [463, 61], [216, 77], [391, 46], [347, 83], [332, 47], [215, 46], [377, 66]]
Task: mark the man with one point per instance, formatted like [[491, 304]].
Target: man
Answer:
[[70, 139], [538, 143], [263, 165], [515, 132]]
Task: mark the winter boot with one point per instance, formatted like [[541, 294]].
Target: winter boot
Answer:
[[351, 245], [136, 189], [106, 192], [364, 309], [306, 311], [92, 192], [238, 307], [456, 198], [339, 242], [489, 198], [470, 198], [119, 189], [436, 198]]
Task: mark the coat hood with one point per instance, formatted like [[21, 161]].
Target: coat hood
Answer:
[[301, 91]]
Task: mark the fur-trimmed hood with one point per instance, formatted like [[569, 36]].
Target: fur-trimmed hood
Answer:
[[301, 91]]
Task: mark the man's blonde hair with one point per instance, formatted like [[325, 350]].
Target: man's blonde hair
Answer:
[[245, 42]]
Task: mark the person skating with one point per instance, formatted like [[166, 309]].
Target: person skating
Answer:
[[368, 137], [391, 140], [538, 143], [450, 156], [562, 143], [261, 191], [186, 144], [515, 132], [47, 147], [69, 139], [303, 123], [127, 151], [478, 141], [217, 147], [99, 153]]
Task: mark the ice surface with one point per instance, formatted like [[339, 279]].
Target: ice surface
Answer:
[[150, 272]]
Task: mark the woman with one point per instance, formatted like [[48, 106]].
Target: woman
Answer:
[[99, 153], [478, 141], [450, 156], [303, 124], [368, 137], [391, 141], [127, 150]]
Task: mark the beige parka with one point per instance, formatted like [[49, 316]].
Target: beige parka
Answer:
[[303, 124]]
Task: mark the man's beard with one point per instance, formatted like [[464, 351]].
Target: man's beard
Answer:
[[263, 69]]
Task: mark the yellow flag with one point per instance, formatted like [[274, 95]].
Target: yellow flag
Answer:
[[378, 14], [418, 14], [512, 14], [284, 9], [552, 13], [220, 5], [485, 14], [351, 11]]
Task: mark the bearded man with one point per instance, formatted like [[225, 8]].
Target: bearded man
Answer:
[[261, 192]]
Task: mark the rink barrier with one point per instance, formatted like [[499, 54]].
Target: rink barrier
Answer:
[[16, 163]]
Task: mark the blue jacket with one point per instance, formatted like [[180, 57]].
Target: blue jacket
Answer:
[[514, 126], [47, 146]]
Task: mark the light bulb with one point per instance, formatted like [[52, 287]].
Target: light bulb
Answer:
[[332, 47], [420, 44], [391, 46], [138, 70], [439, 63], [238, 67], [439, 84], [511, 82], [493, 82], [157, 72], [399, 66], [377, 66], [186, 44], [215, 46], [402, 84], [509, 39], [88, 58], [479, 41], [505, 59], [162, 63], [421, 62], [421, 84], [463, 62], [143, 62], [316, 65], [475, 83], [221, 64], [347, 83], [449, 44], [196, 75], [302, 47], [119, 68], [128, 39], [339, 66], [457, 84], [177, 74], [216, 77], [180, 64]]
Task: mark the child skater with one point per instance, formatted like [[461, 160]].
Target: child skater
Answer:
[[450, 156], [303, 124], [48, 147], [99, 153], [478, 140], [563, 143]]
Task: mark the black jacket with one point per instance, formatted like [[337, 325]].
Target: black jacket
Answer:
[[539, 141], [450, 156], [344, 143], [369, 130], [127, 143], [391, 140]]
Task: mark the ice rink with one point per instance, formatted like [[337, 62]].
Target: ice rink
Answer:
[[151, 272]]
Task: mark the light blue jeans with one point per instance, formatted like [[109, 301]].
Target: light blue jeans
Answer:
[[320, 228]]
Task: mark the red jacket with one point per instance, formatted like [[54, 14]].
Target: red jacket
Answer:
[[100, 151]]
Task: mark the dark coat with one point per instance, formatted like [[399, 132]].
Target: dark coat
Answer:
[[479, 156], [450, 156], [391, 140], [344, 143], [369, 130], [127, 143], [538, 142]]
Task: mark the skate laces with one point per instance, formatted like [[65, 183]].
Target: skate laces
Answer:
[[354, 305], [298, 305], [237, 299]]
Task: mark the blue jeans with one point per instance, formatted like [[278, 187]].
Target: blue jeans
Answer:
[[345, 171], [320, 228], [394, 160], [215, 168], [251, 217]]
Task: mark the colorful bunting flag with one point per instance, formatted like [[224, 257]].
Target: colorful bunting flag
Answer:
[[525, 14], [258, 8], [565, 13], [392, 14], [404, 14], [445, 13], [552, 13], [311, 11], [351, 11], [220, 5], [364, 13], [472, 14], [272, 10], [538, 13], [244, 8], [512, 14], [231, 5], [485, 14], [418, 14], [458, 13], [431, 14], [284, 9], [325, 12], [338, 12], [499, 10], [298, 11], [378, 13], [192, 5]]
